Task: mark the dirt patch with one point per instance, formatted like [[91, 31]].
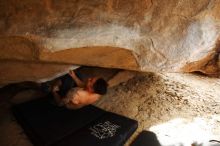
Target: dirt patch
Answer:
[[168, 104]]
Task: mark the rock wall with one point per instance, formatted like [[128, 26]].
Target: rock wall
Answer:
[[143, 35], [17, 71]]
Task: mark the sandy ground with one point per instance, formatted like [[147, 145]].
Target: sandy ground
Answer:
[[179, 108]]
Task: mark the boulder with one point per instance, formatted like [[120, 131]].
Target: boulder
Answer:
[[18, 71], [141, 35]]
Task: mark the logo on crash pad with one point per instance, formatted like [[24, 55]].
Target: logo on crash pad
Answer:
[[104, 130]]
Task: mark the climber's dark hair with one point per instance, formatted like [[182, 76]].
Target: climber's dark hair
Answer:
[[100, 86]]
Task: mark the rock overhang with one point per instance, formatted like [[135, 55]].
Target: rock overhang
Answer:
[[155, 36]]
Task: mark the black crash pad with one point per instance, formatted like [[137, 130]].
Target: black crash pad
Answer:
[[49, 125], [46, 123], [108, 130], [146, 138]]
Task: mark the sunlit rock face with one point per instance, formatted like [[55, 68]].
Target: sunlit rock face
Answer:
[[143, 35]]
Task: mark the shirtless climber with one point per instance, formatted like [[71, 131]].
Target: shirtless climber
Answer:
[[71, 92]]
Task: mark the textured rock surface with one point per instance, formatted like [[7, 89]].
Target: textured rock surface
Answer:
[[18, 71], [144, 35]]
